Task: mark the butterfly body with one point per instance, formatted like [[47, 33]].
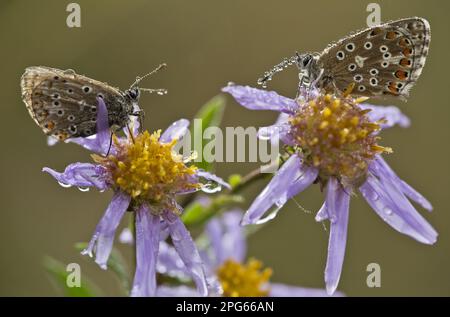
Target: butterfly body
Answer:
[[382, 60], [64, 104]]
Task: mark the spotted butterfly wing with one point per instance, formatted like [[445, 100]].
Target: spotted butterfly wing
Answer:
[[64, 104], [382, 60]]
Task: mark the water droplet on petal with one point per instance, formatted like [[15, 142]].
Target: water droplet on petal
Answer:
[[388, 211], [271, 214], [83, 189], [211, 187], [64, 184]]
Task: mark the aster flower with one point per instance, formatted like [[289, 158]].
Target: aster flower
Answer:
[[335, 142], [229, 274], [145, 175]]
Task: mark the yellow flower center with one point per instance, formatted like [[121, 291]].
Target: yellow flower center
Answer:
[[247, 280], [335, 135], [147, 169]]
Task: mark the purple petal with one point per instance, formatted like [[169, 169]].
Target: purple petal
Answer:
[[305, 176], [383, 206], [394, 208], [322, 214], [176, 291], [175, 131], [147, 244], [187, 251], [100, 142], [211, 177], [338, 206], [103, 238], [126, 237], [169, 262], [391, 114], [275, 192], [81, 175], [227, 237], [382, 170], [257, 99], [283, 290]]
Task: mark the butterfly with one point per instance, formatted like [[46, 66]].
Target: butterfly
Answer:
[[383, 60], [64, 104]]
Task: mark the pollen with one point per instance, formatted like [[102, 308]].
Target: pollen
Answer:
[[244, 280], [147, 169], [335, 135]]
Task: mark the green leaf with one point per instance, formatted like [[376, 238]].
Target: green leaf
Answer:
[[58, 275], [116, 264], [211, 115], [197, 214]]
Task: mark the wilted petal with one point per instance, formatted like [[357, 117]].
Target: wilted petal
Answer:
[[275, 192], [147, 244], [391, 114], [211, 177], [175, 131], [257, 99], [283, 290], [338, 206], [383, 170], [103, 238], [81, 175], [176, 291], [100, 142], [227, 237], [187, 251]]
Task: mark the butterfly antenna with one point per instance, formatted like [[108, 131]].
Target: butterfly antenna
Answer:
[[139, 78], [277, 68]]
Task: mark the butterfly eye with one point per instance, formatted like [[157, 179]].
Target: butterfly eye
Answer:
[[306, 60], [133, 93]]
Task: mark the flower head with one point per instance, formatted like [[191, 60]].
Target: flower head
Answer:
[[334, 141], [336, 136], [146, 176]]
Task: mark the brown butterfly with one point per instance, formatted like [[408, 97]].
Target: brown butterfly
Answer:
[[64, 104], [381, 60]]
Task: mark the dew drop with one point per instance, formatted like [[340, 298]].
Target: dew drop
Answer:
[[83, 189], [271, 214], [64, 184], [211, 187], [388, 211]]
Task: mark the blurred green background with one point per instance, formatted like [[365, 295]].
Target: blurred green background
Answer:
[[207, 44]]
